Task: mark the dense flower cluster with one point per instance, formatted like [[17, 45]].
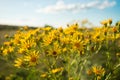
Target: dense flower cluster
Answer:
[[57, 51]]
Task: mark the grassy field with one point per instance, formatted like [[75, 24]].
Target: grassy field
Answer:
[[5, 67], [4, 32], [7, 29]]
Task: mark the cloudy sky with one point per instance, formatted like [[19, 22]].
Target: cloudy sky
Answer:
[[57, 12]]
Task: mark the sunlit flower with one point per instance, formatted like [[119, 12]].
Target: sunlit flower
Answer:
[[71, 29], [57, 70], [43, 75], [71, 78], [118, 54], [2, 48], [16, 41], [21, 50], [64, 49], [11, 49], [105, 31], [78, 45], [32, 58], [115, 30], [5, 52], [47, 40], [55, 50], [98, 70], [6, 35], [47, 28], [110, 21], [7, 43], [18, 62], [65, 40], [25, 27], [97, 37], [89, 72], [98, 77], [107, 22], [28, 44], [104, 22], [60, 29]]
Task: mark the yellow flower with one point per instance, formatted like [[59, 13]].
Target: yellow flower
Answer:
[[74, 26], [71, 29], [7, 78], [70, 78], [89, 72], [98, 77], [6, 35], [32, 58], [10, 49], [47, 28], [55, 50], [115, 30], [107, 22], [47, 40], [18, 62], [57, 70], [25, 27], [7, 43], [43, 75], [97, 36], [21, 50], [98, 70], [118, 54], [28, 44], [105, 30], [64, 49], [104, 22], [65, 40], [60, 29], [2, 48], [78, 45], [110, 21], [5, 52]]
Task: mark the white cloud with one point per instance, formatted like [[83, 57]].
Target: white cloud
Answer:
[[106, 4], [60, 6]]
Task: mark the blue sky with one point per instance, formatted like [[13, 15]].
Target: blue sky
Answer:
[[57, 12]]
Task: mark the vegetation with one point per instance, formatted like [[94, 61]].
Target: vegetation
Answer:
[[73, 53], [8, 27]]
